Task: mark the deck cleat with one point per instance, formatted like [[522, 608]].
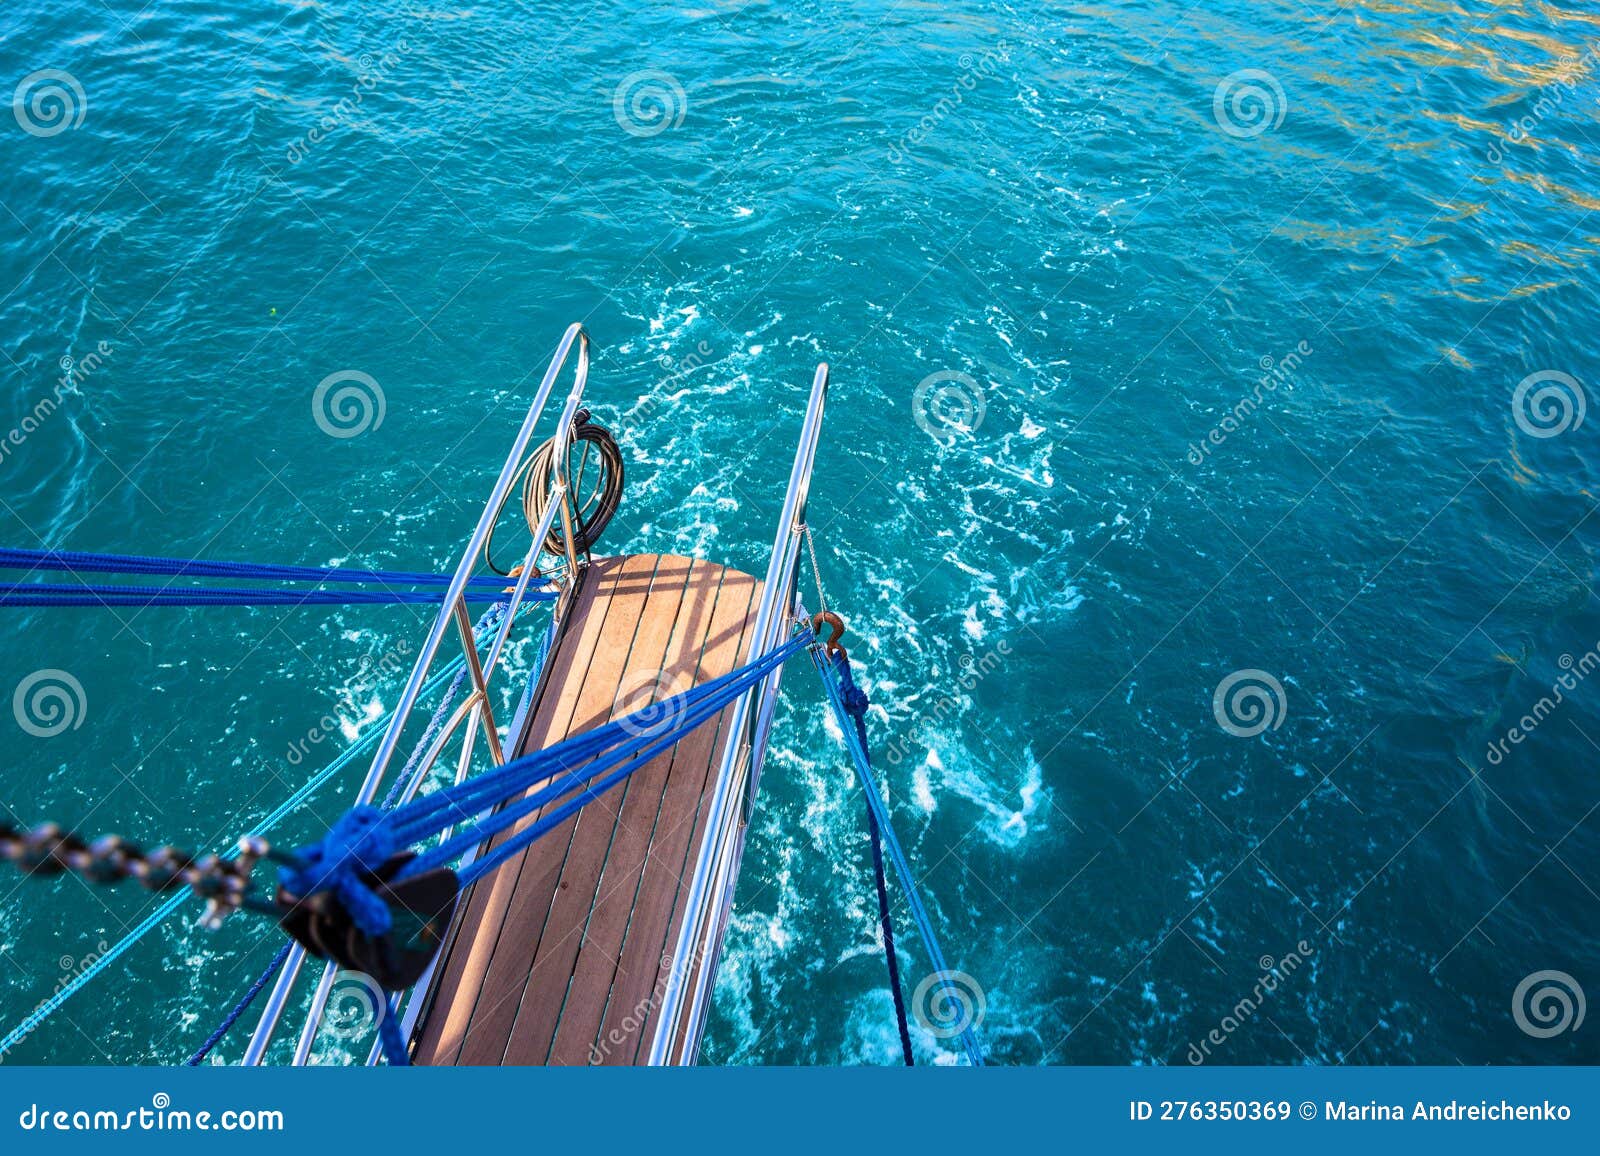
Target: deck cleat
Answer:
[[421, 906]]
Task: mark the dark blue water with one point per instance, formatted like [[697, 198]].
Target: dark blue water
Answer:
[[1169, 343]]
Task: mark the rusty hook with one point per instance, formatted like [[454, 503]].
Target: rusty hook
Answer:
[[829, 618]]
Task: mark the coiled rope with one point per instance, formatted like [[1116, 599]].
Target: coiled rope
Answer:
[[595, 512]]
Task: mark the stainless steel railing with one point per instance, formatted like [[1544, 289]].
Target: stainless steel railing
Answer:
[[477, 711], [693, 962]]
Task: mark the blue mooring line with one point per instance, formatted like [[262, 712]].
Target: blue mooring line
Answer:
[[37, 594], [80, 562], [919, 915], [30, 594]]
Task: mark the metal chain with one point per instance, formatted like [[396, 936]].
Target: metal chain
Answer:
[[49, 850]]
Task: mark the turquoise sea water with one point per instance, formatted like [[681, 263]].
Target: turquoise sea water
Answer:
[[1169, 342]]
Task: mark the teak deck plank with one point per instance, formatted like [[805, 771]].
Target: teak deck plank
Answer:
[[584, 701], [467, 962], [565, 939], [577, 860], [652, 930], [644, 870]]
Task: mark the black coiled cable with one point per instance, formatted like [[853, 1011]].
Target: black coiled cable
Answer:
[[593, 441]]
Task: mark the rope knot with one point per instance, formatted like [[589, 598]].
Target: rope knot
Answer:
[[358, 844], [855, 701], [851, 696]]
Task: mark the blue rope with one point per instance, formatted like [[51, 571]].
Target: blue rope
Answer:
[[363, 743], [627, 736], [832, 682], [46, 594], [398, 787], [240, 1008], [390, 1036], [359, 841], [489, 619], [428, 816], [855, 703], [367, 837], [86, 563]]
